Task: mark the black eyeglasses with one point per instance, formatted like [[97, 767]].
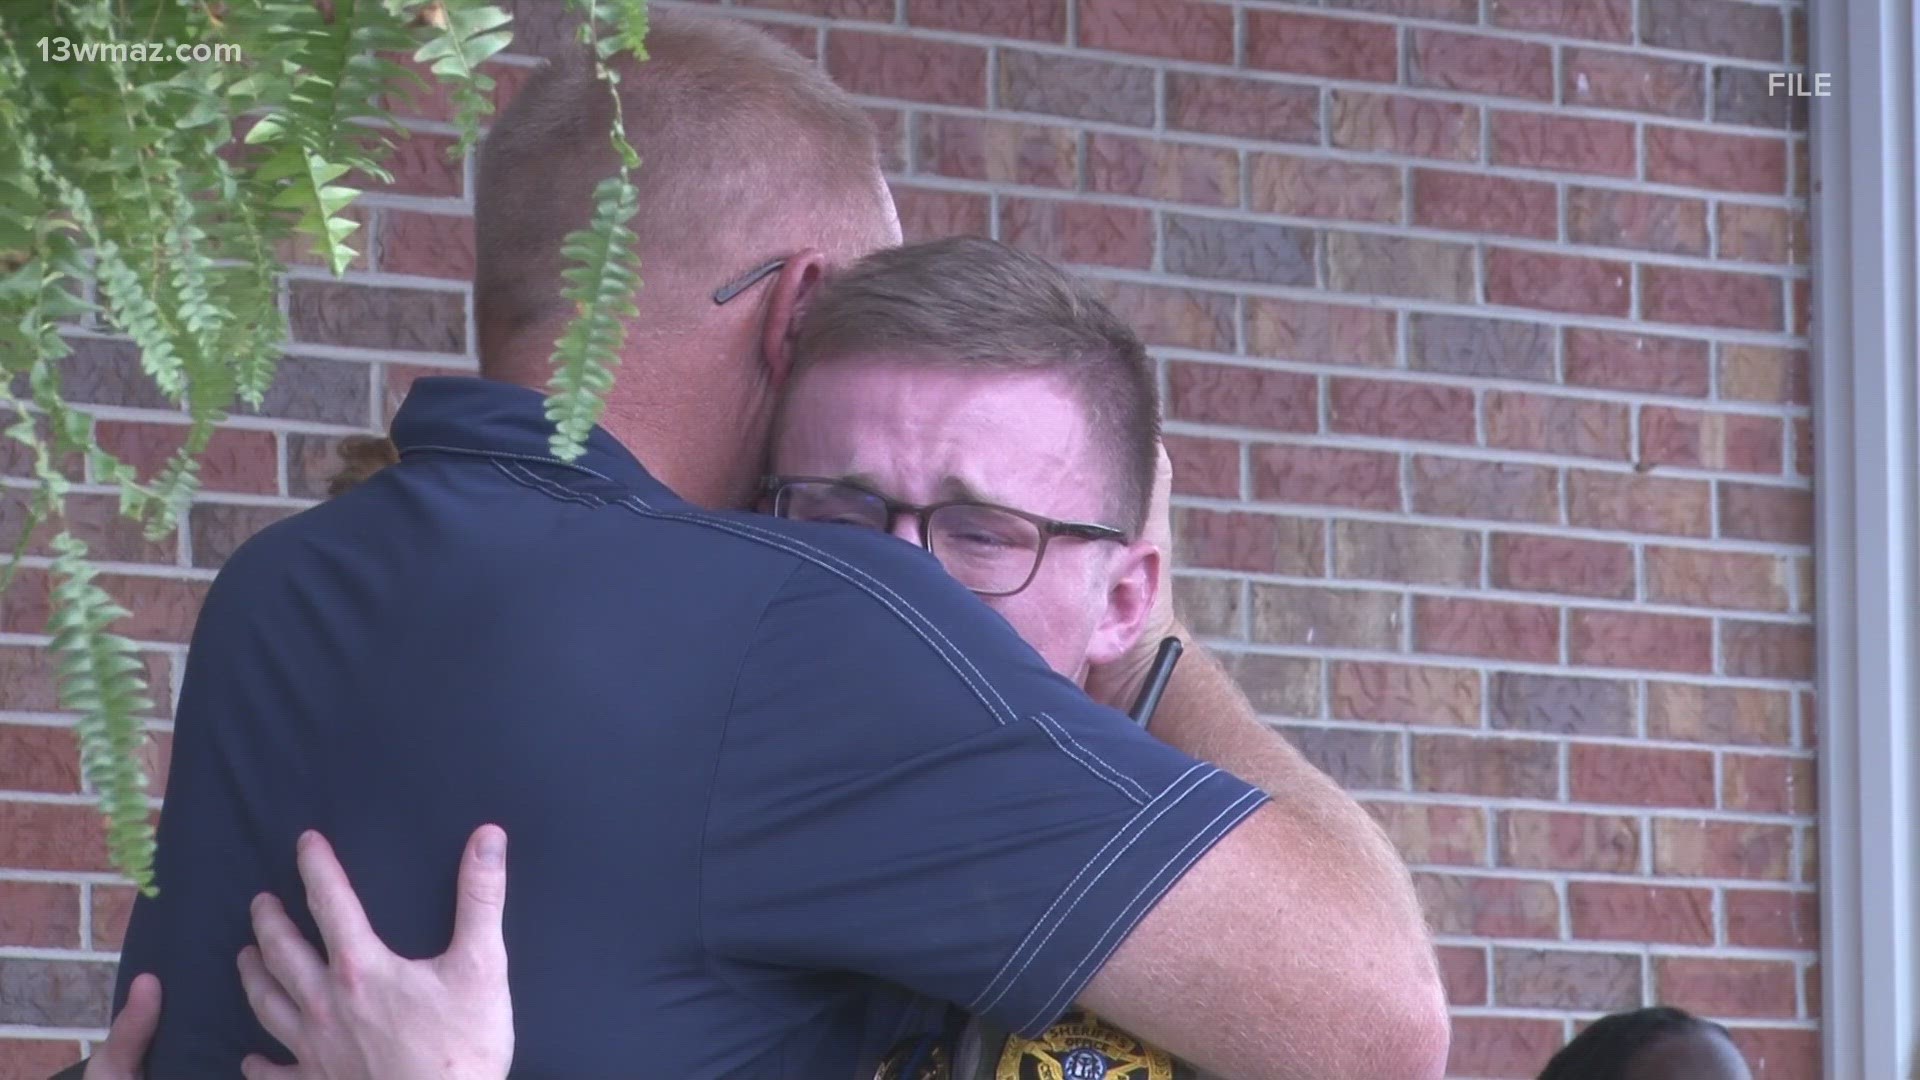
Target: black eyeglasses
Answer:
[[748, 280], [992, 550]]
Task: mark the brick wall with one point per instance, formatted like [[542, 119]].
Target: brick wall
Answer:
[[1483, 327]]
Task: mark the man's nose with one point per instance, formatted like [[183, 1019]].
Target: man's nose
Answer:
[[906, 527]]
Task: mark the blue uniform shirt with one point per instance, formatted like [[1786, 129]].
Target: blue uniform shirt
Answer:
[[759, 777]]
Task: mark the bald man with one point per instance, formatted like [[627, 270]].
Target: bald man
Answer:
[[729, 749]]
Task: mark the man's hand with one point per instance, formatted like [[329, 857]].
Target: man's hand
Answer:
[[370, 1014], [1118, 682], [120, 1057]]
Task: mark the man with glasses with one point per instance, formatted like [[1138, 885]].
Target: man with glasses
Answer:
[[771, 784]]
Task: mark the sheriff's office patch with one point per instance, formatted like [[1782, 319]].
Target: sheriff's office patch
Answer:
[[921, 1057], [1081, 1047]]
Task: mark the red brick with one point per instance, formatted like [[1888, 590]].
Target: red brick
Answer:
[[1563, 143], [1719, 27], [1773, 919], [1722, 849], [1716, 579], [1716, 986], [1719, 714], [377, 317], [855, 10], [1556, 840], [1256, 543], [1356, 760], [1641, 640], [1779, 1053], [1320, 333], [1210, 607], [999, 151], [1766, 512], [1326, 618], [52, 836], [1242, 108], [1490, 628], [1802, 321], [1426, 834], [1567, 283], [1663, 914], [1806, 597], [1812, 991], [1738, 442], [1463, 973], [1176, 318], [1481, 348], [1323, 475], [28, 672], [1600, 20], [1449, 10], [1643, 363], [431, 245], [302, 250], [1561, 704], [1076, 86], [1318, 187], [112, 905], [1032, 20], [907, 68], [1507, 1047], [1763, 234], [1174, 172], [1490, 767], [1278, 685], [1416, 554], [1227, 249], [800, 38], [1399, 266], [431, 98], [34, 757], [1802, 446], [1177, 29], [1765, 373], [1580, 427], [1640, 775], [1564, 565], [1765, 650], [890, 126], [1076, 232], [1477, 203], [40, 915], [1209, 467], [1331, 48], [420, 164], [1476, 64], [1631, 502], [1635, 83], [1563, 979], [1755, 164], [95, 520], [1768, 784], [235, 459], [163, 609], [1252, 397], [1489, 490], [1637, 219], [1489, 906], [1401, 410], [218, 529], [1409, 126], [1388, 693], [36, 1058]]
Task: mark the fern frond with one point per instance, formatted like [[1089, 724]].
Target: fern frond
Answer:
[[471, 31], [602, 275]]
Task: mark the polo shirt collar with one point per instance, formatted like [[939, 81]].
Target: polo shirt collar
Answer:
[[491, 417]]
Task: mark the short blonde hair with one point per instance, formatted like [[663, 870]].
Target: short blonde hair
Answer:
[[748, 152]]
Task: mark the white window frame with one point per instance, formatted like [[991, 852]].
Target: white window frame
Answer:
[[1866, 287]]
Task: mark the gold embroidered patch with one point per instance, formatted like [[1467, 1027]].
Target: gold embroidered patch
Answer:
[[1081, 1047]]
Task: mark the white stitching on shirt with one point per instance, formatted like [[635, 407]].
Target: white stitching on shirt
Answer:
[[1115, 776], [1136, 827]]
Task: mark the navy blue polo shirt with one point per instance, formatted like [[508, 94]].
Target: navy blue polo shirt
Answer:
[[767, 784]]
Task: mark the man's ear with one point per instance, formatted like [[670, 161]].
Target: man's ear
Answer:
[[1131, 586], [787, 299]]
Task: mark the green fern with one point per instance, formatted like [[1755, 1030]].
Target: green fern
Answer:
[[471, 34], [125, 201]]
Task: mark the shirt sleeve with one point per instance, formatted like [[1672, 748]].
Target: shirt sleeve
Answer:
[[907, 791]]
